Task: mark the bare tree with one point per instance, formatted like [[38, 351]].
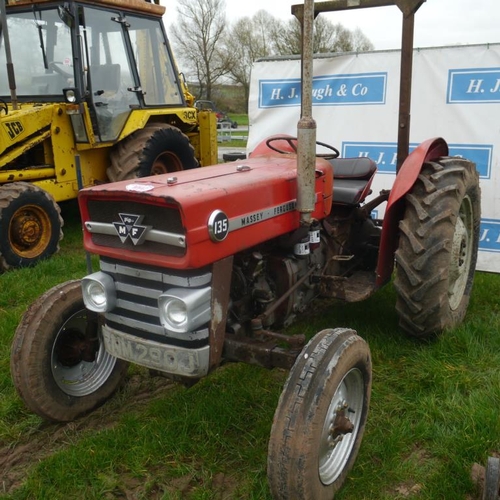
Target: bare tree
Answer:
[[210, 50], [249, 40], [328, 37], [198, 37], [360, 42], [263, 35]]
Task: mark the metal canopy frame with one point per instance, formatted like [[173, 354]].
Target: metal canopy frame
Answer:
[[307, 12]]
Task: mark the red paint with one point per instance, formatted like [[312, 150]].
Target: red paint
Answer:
[[408, 174], [268, 182]]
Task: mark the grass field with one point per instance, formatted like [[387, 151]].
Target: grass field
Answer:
[[241, 141], [434, 411]]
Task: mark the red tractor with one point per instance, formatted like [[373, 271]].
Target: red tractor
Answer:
[[205, 266]]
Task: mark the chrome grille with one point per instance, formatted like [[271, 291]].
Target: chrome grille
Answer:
[[137, 291], [167, 236]]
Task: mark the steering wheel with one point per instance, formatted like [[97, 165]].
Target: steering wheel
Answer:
[[3, 105], [54, 66], [292, 142]]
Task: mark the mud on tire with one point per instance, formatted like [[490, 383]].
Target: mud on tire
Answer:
[[158, 148], [437, 253], [320, 419], [58, 363], [30, 225]]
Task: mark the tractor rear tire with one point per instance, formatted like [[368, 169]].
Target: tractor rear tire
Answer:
[[438, 245], [156, 149], [58, 362], [320, 419], [30, 225]]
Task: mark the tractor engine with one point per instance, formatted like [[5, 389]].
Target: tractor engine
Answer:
[[274, 285]]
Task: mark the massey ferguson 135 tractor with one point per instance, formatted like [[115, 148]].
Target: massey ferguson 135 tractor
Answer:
[[205, 266]]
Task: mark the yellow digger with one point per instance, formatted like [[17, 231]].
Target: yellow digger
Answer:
[[89, 93]]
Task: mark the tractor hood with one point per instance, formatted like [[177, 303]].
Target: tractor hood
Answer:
[[193, 218]]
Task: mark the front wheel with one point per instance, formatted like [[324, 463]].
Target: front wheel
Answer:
[[30, 225], [438, 245], [320, 419], [58, 362]]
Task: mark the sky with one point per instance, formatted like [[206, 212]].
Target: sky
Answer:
[[437, 22]]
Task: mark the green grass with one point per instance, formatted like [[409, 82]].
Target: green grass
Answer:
[[234, 143], [434, 411], [240, 119]]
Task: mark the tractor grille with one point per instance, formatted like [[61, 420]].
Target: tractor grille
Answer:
[[137, 291], [163, 220]]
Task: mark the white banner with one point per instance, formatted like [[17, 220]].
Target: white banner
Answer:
[[455, 95]]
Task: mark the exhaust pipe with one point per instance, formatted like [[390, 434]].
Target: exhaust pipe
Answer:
[[306, 127]]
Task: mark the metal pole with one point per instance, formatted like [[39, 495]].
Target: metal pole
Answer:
[[8, 55], [79, 179], [408, 8], [306, 127], [405, 89]]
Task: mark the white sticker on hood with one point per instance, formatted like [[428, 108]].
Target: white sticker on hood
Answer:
[[139, 188]]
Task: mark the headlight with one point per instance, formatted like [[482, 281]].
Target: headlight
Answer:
[[176, 311], [184, 310], [71, 95], [99, 293]]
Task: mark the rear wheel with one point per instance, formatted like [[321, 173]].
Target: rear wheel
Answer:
[[58, 362], [30, 225], [320, 419], [156, 149], [437, 253]]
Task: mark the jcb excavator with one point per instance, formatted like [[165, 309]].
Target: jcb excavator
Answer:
[[89, 93]]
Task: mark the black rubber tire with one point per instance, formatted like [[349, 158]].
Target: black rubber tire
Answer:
[[234, 156], [59, 385], [438, 245], [492, 479], [333, 369], [158, 148], [30, 225]]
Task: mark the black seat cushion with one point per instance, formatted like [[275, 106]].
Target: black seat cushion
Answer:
[[353, 168], [351, 175]]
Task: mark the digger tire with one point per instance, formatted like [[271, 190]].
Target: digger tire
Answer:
[[156, 149], [30, 225]]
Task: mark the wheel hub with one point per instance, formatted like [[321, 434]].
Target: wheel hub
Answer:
[[73, 347], [30, 231], [339, 430], [461, 254], [26, 230], [79, 362], [341, 425], [166, 163]]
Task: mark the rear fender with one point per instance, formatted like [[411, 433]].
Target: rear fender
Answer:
[[405, 179]]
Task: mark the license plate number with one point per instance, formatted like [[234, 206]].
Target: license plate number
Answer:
[[152, 354]]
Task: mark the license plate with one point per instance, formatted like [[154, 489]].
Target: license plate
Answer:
[[169, 359]]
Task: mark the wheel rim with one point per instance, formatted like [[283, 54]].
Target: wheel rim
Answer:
[[461, 254], [341, 426], [30, 231], [72, 374], [165, 163]]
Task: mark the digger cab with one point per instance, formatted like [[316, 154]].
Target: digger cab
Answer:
[[99, 56]]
